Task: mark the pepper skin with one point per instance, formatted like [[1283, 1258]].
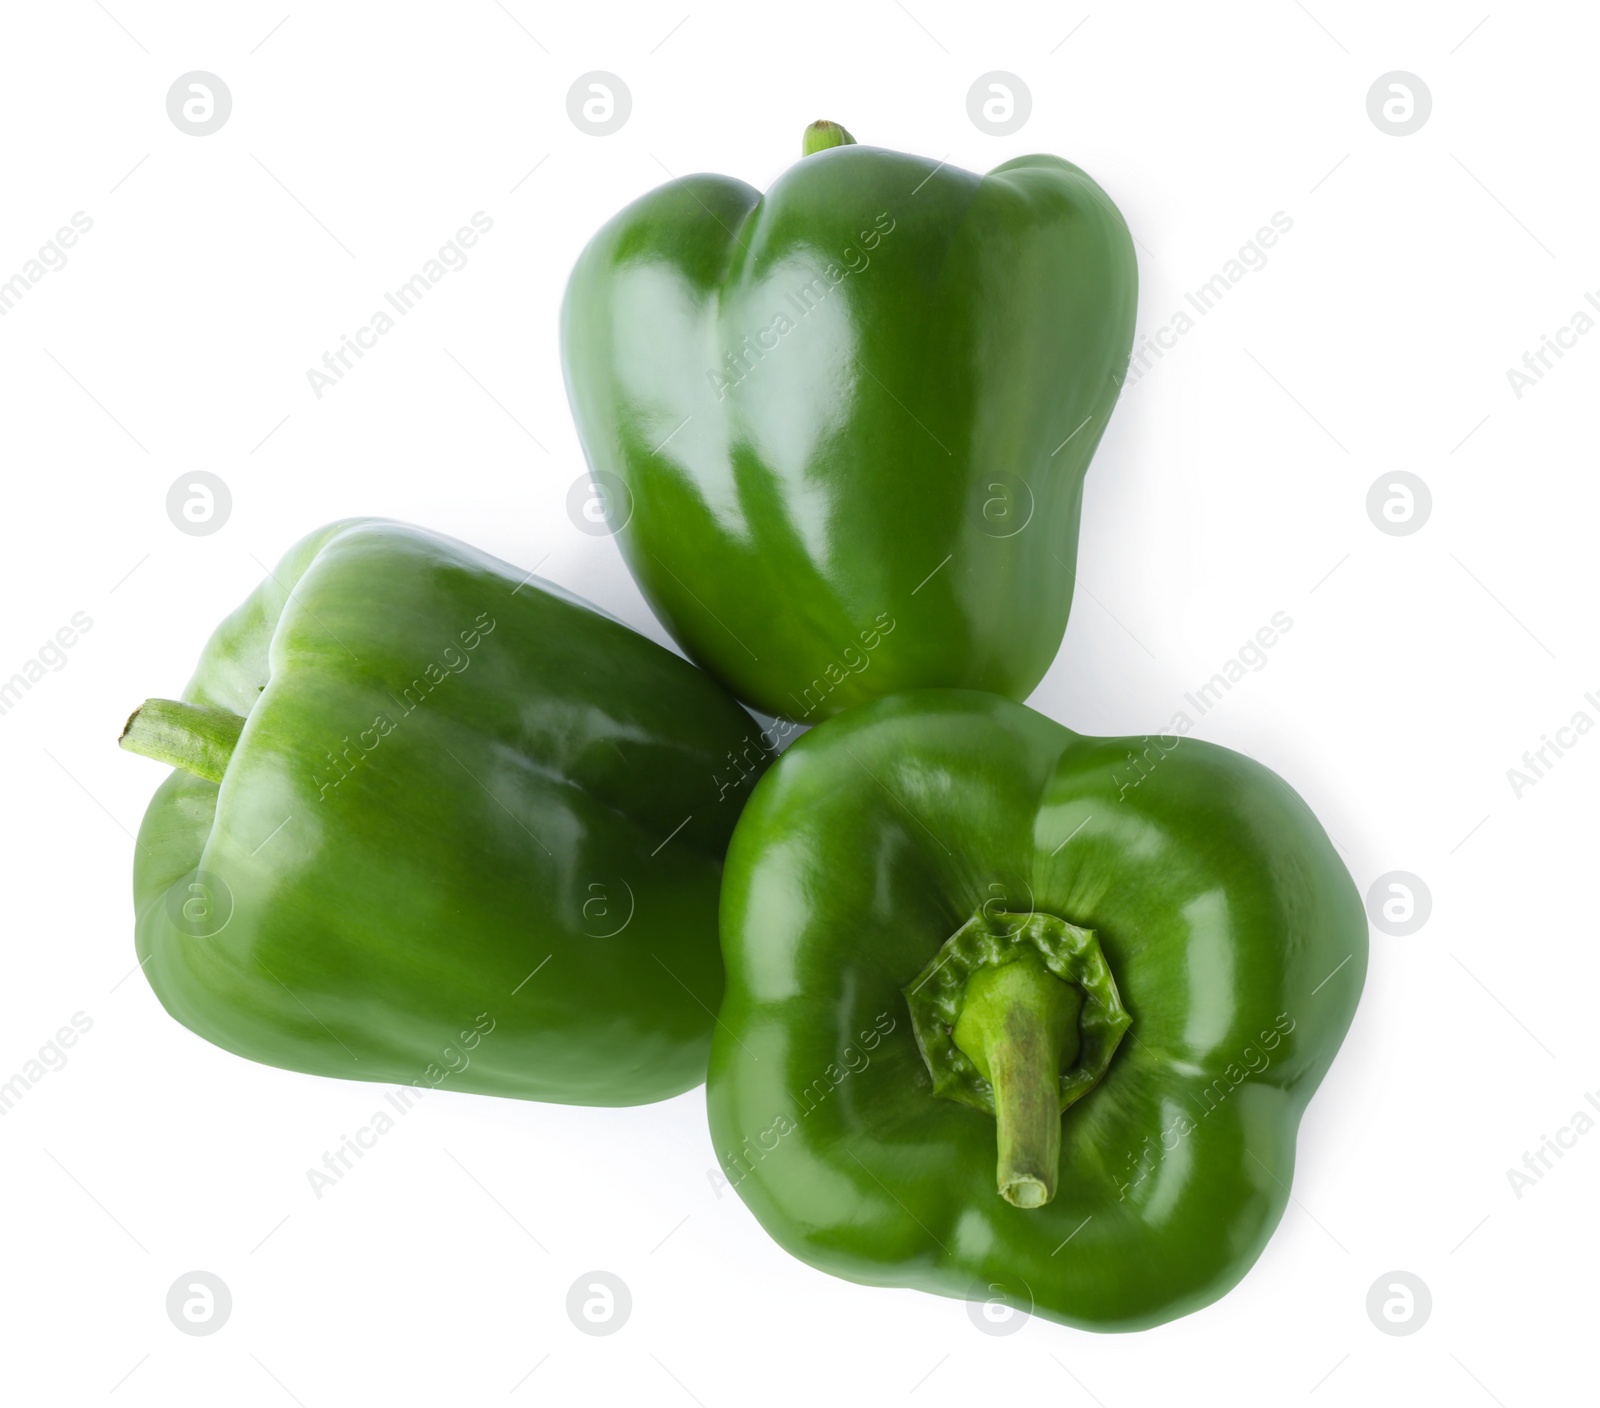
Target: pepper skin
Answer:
[[949, 830], [461, 830], [842, 428]]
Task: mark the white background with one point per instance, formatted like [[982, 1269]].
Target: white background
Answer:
[[1232, 484]]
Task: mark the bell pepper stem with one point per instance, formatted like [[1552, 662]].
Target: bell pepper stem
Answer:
[[824, 134], [196, 737], [1019, 1025]]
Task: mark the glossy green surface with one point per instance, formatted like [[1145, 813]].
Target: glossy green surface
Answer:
[[1238, 945], [843, 427], [470, 837]]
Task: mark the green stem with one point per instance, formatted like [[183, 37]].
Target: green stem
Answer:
[[195, 737], [1019, 1024], [822, 135]]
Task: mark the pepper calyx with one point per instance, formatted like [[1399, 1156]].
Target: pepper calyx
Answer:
[[1018, 1015]]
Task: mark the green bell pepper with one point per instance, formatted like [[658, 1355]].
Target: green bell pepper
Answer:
[[841, 428], [1017, 1014], [435, 821]]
